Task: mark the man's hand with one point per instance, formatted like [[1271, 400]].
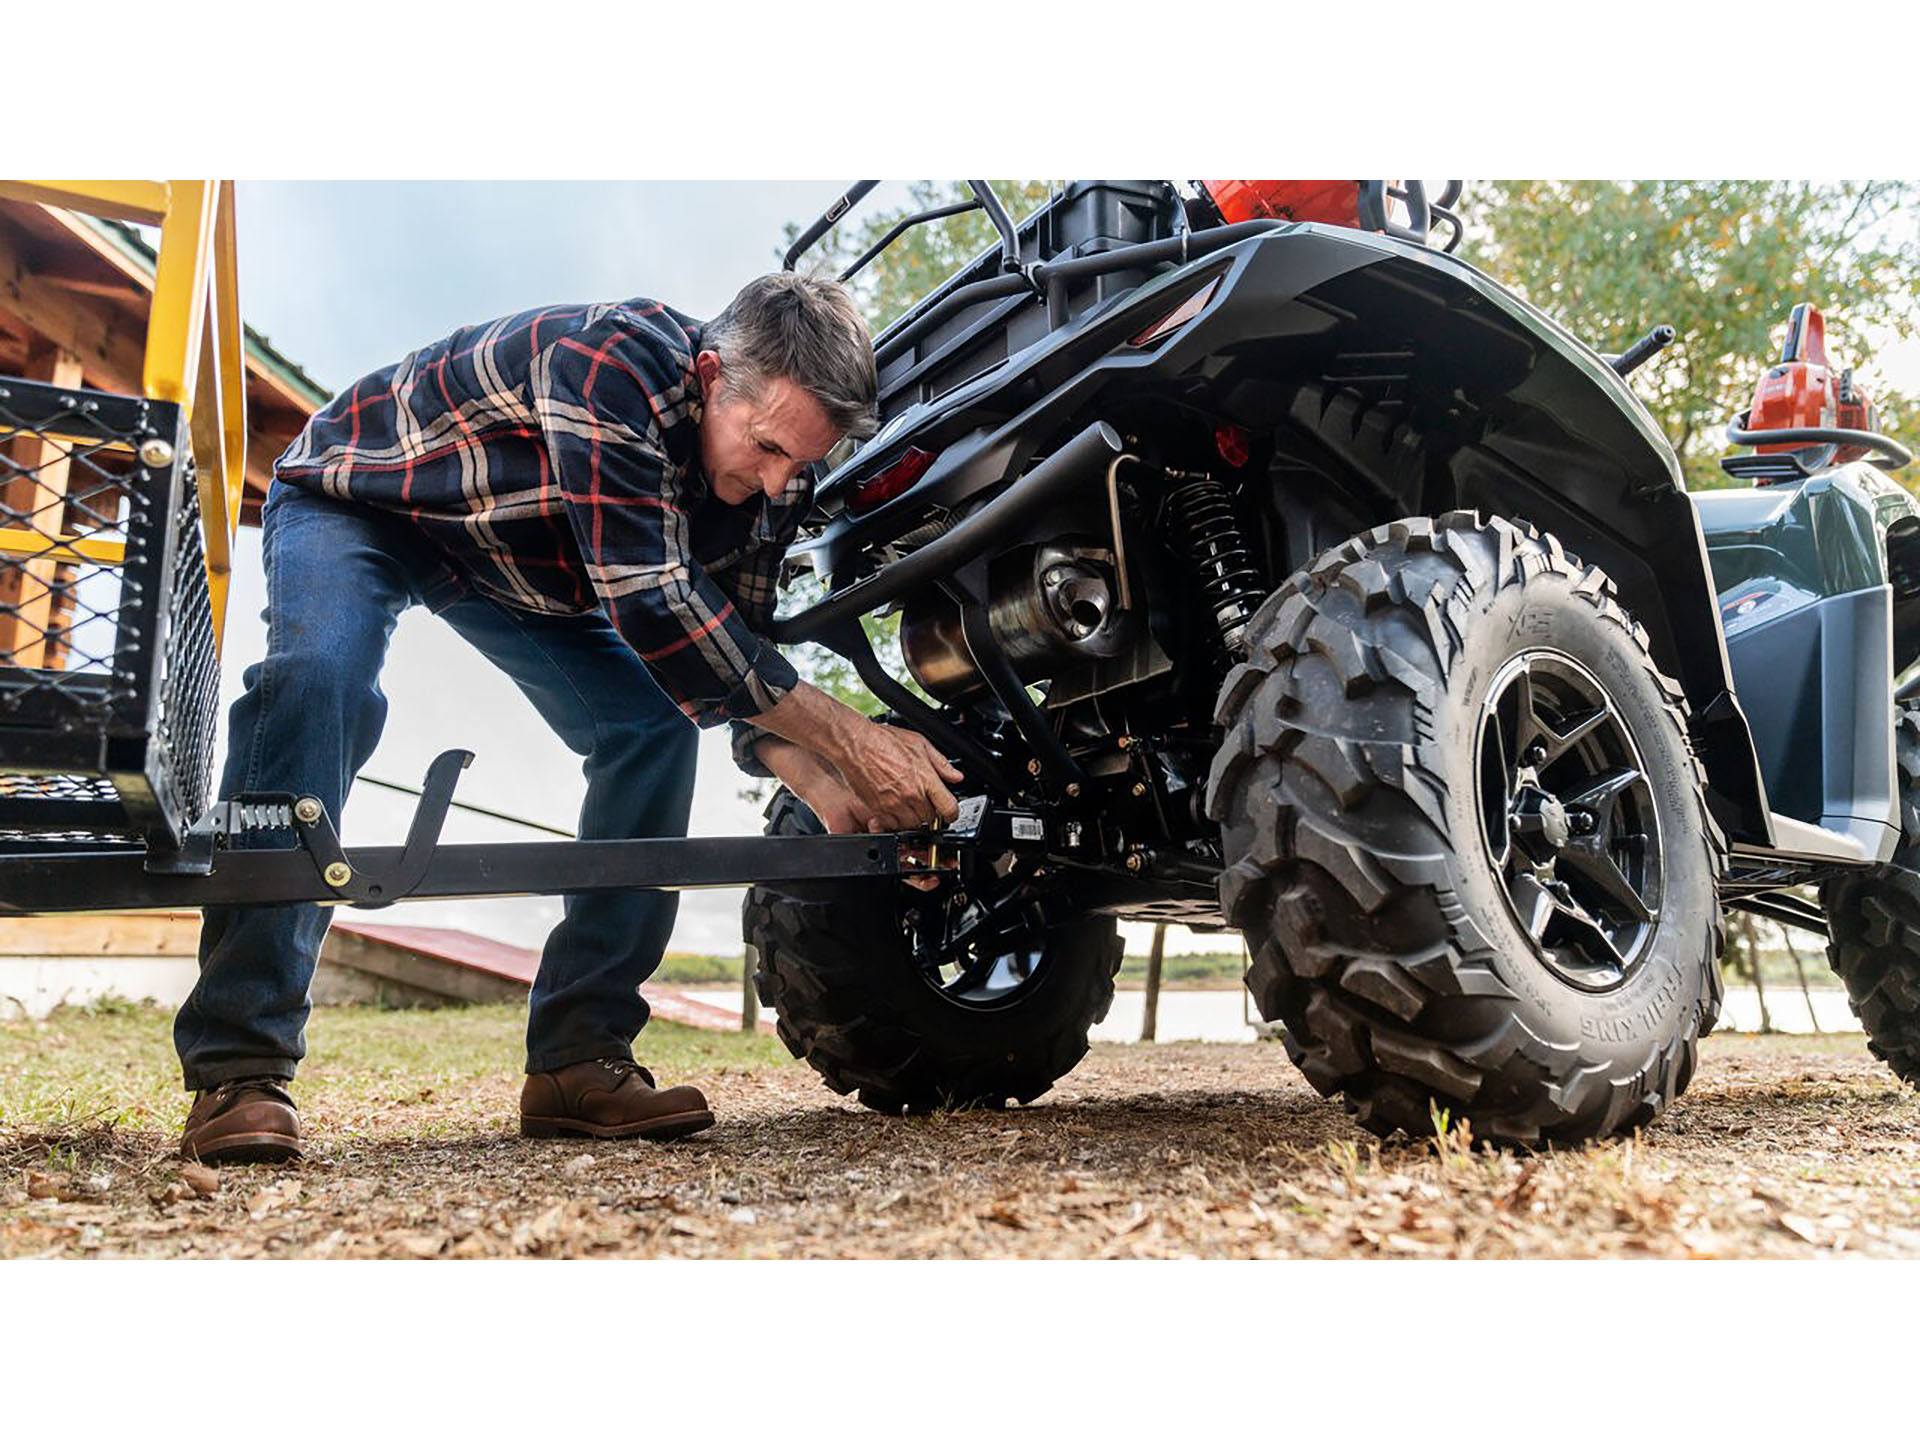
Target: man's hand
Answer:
[[900, 779], [895, 775]]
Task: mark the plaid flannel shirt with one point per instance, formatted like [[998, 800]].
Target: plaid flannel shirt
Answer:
[[552, 458]]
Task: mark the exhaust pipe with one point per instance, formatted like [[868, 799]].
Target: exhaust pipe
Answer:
[[1083, 460]]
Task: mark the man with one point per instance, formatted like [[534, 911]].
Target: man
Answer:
[[598, 499]]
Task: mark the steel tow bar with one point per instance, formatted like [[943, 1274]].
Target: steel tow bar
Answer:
[[315, 869]]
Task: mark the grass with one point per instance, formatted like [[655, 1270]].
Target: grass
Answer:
[[1209, 971], [679, 968], [113, 1064]]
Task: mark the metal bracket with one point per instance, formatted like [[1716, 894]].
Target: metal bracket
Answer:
[[371, 890], [307, 820]]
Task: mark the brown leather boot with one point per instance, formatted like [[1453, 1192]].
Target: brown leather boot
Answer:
[[608, 1100], [242, 1122]]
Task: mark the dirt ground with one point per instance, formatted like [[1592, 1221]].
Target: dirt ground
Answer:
[[1787, 1146]]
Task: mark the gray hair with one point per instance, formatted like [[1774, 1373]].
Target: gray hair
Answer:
[[804, 328]]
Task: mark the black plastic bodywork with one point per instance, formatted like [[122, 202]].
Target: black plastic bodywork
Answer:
[[1392, 380], [1821, 608]]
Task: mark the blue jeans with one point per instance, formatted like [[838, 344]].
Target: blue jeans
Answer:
[[338, 577]]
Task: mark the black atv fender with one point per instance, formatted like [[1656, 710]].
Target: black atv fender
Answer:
[[1412, 381]]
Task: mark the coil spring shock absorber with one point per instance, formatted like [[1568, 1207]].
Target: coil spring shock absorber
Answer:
[[1217, 544]]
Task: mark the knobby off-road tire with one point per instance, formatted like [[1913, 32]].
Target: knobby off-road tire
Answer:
[[1873, 922], [1383, 931], [833, 965]]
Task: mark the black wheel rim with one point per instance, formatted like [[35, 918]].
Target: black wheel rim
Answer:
[[1569, 821], [983, 953]]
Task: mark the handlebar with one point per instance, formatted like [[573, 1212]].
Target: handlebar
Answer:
[[1892, 453]]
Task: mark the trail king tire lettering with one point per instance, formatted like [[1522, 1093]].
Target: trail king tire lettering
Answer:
[[1364, 839]]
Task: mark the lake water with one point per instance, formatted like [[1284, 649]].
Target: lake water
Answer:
[[1225, 1014]]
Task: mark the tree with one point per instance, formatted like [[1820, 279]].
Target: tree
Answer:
[[1723, 261], [924, 256]]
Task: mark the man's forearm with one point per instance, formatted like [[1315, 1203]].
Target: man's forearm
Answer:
[[810, 718]]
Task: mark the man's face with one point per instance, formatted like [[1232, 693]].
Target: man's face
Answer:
[[755, 447]]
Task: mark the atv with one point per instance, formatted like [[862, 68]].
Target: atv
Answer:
[[1265, 566]]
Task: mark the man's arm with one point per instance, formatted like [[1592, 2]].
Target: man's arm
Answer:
[[895, 776], [813, 743]]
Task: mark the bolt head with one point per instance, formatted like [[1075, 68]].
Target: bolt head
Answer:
[[155, 453], [339, 873], [1139, 788], [1073, 790], [306, 809], [1033, 767]]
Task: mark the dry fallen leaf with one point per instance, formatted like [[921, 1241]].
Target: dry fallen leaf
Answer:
[[273, 1197], [201, 1179], [1001, 1213], [41, 1186], [1801, 1226]]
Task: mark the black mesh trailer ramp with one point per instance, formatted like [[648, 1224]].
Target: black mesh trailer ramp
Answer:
[[109, 676]]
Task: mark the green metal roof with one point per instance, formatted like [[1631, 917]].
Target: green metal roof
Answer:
[[132, 244]]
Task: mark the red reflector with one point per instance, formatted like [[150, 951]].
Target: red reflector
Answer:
[[898, 478], [1231, 442], [1174, 319]]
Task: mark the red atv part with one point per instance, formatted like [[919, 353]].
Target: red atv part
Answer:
[[1802, 392], [1331, 202]]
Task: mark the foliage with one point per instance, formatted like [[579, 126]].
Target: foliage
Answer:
[[924, 256], [1723, 261], [682, 968], [1209, 970]]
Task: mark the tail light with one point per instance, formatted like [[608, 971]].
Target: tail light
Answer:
[[898, 478]]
